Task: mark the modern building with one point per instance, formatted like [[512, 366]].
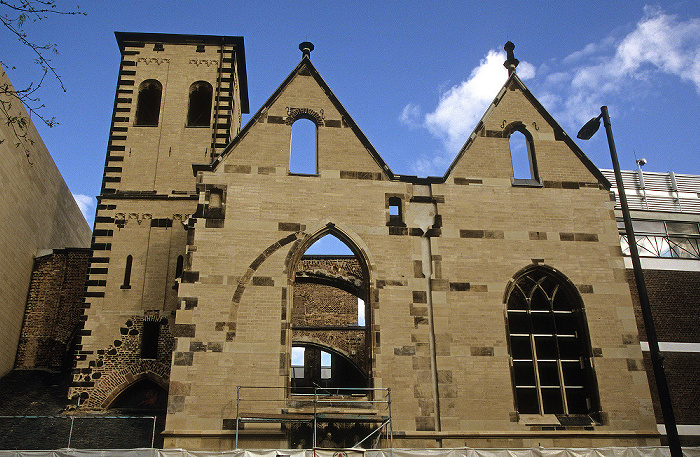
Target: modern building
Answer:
[[665, 208], [43, 224], [483, 308]]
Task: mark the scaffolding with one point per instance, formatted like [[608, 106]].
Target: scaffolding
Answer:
[[325, 405]]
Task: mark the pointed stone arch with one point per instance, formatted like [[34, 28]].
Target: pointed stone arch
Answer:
[[333, 334]]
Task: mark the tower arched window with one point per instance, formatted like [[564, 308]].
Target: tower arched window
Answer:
[[148, 103], [200, 99], [522, 155], [549, 345], [303, 158]]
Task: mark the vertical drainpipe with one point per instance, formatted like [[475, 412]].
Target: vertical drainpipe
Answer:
[[426, 220]]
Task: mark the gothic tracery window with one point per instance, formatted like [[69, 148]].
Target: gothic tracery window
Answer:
[[549, 347]]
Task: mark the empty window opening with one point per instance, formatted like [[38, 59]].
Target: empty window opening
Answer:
[[328, 245], [522, 157], [148, 103], [360, 312], [298, 362], [549, 347], [329, 307], [395, 206], [127, 273], [149, 339], [199, 111], [325, 365], [215, 198], [303, 158], [179, 266]]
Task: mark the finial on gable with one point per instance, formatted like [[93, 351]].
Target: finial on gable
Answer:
[[306, 49], [511, 62]]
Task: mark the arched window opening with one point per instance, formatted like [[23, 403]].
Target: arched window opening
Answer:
[[148, 103], [549, 346], [199, 111], [522, 155], [330, 320], [302, 159], [149, 339], [127, 273]]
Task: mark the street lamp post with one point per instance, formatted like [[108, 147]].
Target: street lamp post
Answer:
[[657, 363]]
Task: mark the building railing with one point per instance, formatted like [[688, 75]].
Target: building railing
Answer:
[[652, 191], [322, 405]]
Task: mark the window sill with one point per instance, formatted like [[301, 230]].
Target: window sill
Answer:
[[526, 182]]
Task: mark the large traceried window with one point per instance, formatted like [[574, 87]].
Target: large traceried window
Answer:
[[549, 346], [148, 103]]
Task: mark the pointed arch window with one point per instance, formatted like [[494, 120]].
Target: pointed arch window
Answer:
[[199, 110], [522, 156], [303, 158], [148, 103], [549, 346], [330, 319]]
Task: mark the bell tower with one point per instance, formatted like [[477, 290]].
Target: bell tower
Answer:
[[179, 100]]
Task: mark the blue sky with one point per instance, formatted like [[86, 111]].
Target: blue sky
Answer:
[[415, 76]]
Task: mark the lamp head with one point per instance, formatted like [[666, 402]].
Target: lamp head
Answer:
[[588, 130], [641, 162]]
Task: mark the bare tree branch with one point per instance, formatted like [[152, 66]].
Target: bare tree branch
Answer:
[[16, 13]]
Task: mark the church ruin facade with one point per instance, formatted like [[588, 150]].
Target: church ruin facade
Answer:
[[480, 308]]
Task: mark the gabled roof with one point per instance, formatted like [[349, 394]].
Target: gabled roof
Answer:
[[304, 64], [559, 133]]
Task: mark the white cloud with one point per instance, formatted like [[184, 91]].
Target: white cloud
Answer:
[[85, 203], [459, 110], [410, 116], [461, 107], [659, 44]]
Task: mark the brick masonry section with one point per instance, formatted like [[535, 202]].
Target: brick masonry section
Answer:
[[674, 298], [54, 309]]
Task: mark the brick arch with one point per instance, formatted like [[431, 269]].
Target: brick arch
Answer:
[[295, 114], [111, 386]]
